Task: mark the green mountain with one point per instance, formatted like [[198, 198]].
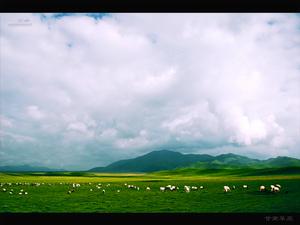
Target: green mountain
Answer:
[[170, 160], [154, 161]]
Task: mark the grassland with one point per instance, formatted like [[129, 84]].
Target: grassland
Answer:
[[52, 196]]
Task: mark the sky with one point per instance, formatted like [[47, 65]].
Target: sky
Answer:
[[84, 90]]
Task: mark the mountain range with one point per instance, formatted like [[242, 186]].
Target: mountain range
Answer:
[[166, 160], [28, 168], [170, 160]]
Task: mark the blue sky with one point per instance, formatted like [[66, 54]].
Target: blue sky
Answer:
[[84, 90]]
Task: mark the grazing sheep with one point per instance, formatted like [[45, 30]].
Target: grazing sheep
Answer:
[[162, 188], [201, 187], [138, 188], [73, 185], [262, 188], [187, 189], [194, 188], [274, 188], [173, 188], [26, 193], [20, 193], [277, 185], [91, 189], [10, 193], [226, 189], [4, 189], [233, 187], [103, 191], [245, 186], [69, 192], [125, 184], [148, 189], [118, 191]]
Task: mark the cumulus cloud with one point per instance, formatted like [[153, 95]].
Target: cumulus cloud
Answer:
[[34, 112], [90, 89]]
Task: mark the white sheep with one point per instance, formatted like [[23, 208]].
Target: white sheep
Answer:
[[118, 191], [91, 189], [233, 187], [194, 188], [245, 186], [162, 188], [172, 188], [201, 187], [4, 189], [26, 193], [187, 189], [138, 188], [148, 189], [10, 193], [277, 185], [103, 191], [168, 186], [226, 188], [274, 188], [262, 188]]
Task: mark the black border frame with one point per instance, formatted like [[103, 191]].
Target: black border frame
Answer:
[[150, 6], [150, 218]]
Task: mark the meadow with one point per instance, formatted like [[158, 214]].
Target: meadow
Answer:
[[52, 193]]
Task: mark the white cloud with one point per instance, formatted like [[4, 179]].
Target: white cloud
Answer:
[[131, 83], [34, 112], [5, 122]]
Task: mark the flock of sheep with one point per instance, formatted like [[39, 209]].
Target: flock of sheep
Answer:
[[274, 188], [75, 186]]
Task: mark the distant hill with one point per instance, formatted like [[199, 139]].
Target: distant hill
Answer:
[[27, 168], [154, 161], [170, 160]]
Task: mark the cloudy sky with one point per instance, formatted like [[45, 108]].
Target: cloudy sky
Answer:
[[84, 90]]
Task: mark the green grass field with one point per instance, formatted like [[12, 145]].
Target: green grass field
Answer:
[[52, 196]]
